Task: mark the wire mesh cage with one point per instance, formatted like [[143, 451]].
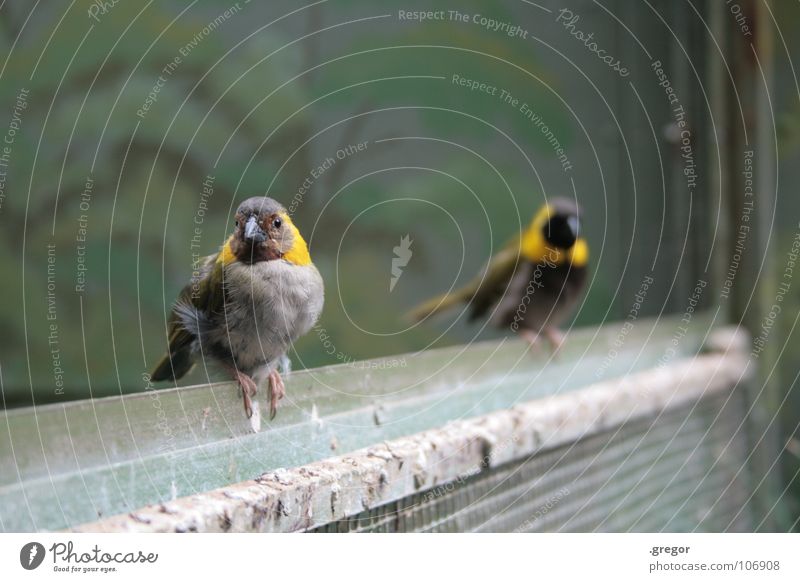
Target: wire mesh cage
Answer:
[[678, 471]]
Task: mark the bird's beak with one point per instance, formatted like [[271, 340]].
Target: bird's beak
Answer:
[[574, 226], [253, 232]]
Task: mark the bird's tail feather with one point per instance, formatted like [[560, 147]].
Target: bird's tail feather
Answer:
[[191, 323], [173, 366], [438, 305]]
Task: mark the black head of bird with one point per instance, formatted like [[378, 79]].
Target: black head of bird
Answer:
[[554, 233]]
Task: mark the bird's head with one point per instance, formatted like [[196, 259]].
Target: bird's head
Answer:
[[263, 231], [554, 233]]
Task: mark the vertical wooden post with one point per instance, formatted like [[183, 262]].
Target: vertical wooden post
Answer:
[[753, 293]]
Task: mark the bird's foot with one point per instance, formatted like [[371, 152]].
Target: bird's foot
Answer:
[[552, 334], [277, 390], [533, 338], [555, 337], [249, 389]]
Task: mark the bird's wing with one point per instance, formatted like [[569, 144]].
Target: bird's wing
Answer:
[[196, 303], [492, 284], [482, 291]]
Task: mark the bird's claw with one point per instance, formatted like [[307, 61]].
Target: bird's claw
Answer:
[[553, 335], [249, 389], [277, 390]]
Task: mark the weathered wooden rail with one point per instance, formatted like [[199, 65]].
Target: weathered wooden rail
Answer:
[[80, 462]]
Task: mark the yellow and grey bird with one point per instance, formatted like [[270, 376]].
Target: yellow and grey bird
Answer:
[[251, 301], [531, 285]]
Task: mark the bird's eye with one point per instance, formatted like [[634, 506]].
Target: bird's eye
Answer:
[[277, 223]]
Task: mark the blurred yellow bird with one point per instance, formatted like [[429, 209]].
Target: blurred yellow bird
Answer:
[[531, 285]]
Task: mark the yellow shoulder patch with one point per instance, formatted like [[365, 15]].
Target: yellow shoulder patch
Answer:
[[226, 256], [298, 254], [579, 253], [533, 246]]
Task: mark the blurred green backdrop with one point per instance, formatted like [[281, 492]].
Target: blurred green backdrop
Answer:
[[139, 124]]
